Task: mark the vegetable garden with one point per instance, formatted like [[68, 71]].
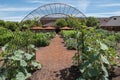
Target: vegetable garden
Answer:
[[96, 55]]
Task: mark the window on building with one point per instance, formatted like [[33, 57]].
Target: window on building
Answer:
[[114, 18]]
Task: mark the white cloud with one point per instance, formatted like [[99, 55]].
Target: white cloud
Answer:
[[82, 5], [16, 8], [13, 18], [110, 5], [104, 14], [37, 1]]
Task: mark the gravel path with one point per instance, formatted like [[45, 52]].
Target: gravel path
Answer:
[[56, 61]]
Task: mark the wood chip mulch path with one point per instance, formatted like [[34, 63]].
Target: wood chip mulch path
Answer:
[[56, 61]]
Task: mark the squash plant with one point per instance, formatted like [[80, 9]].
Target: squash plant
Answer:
[[18, 59]]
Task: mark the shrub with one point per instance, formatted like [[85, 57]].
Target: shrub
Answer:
[[5, 36], [71, 44]]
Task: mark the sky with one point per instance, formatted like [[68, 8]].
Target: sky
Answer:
[[16, 10]]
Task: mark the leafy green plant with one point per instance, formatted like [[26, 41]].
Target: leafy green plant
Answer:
[[95, 58], [19, 59], [71, 44], [5, 36], [68, 34], [43, 39], [18, 64], [60, 23], [92, 22]]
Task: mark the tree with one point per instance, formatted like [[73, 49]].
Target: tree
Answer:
[[2, 23], [11, 25], [30, 23], [92, 22], [60, 23], [73, 22]]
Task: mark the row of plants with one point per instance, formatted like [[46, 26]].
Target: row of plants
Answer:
[[43, 39], [96, 51], [38, 39], [9, 25], [69, 39], [110, 38]]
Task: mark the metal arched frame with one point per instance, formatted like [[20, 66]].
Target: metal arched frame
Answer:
[[54, 8]]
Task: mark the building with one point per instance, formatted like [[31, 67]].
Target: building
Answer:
[[112, 23]]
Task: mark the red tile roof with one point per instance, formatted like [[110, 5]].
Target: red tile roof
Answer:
[[49, 28], [66, 28], [36, 28]]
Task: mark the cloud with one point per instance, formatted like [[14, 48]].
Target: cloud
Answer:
[[80, 4], [37, 1], [16, 9], [104, 14], [13, 18], [109, 5]]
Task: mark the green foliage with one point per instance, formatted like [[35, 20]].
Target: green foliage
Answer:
[[95, 54], [71, 44], [23, 39], [18, 64], [18, 55], [2, 23], [68, 34], [117, 36], [73, 22], [70, 39], [95, 58], [92, 22], [5, 36], [30, 23], [43, 39], [60, 23], [11, 25]]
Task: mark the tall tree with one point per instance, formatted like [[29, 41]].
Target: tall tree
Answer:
[[11, 25], [73, 22], [92, 22], [60, 23], [2, 23]]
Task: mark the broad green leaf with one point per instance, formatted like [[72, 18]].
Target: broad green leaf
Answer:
[[32, 46], [17, 56], [2, 77], [20, 76], [103, 46], [93, 72], [104, 78], [36, 64], [104, 70], [104, 59], [23, 63], [28, 56], [19, 52], [5, 47]]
